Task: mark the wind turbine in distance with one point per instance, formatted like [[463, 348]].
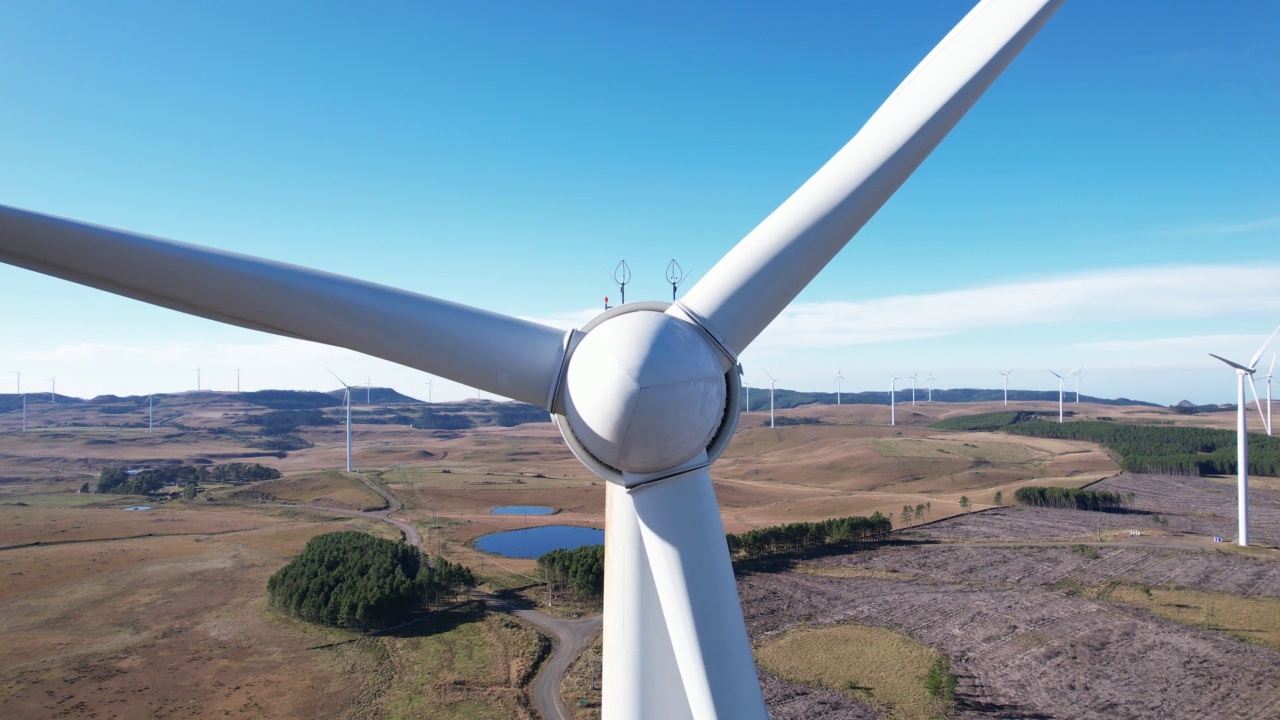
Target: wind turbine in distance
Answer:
[[1077, 373], [772, 384], [930, 380], [368, 390], [747, 388], [346, 395], [53, 388], [1062, 382], [645, 395], [429, 383], [893, 389], [237, 380], [913, 387], [1006, 385], [197, 379], [839, 381], [1242, 437]]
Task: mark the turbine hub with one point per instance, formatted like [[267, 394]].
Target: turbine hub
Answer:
[[645, 392]]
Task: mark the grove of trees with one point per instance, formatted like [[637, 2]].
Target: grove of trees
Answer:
[[579, 571], [354, 580], [117, 480], [806, 536], [1069, 498]]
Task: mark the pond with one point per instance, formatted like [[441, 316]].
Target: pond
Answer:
[[535, 541], [523, 510], [139, 507]]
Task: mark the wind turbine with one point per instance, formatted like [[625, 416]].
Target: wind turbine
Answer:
[[930, 381], [1077, 373], [913, 387], [747, 388], [645, 394], [1006, 385], [430, 384], [772, 384], [1242, 437], [197, 379], [346, 396], [237, 380], [839, 381], [53, 388], [368, 390], [1061, 389], [893, 389]]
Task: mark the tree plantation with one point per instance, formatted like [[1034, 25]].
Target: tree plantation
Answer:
[[353, 580], [120, 481], [806, 536]]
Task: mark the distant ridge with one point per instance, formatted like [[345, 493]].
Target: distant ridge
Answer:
[[792, 398]]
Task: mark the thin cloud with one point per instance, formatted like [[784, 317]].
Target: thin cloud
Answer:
[[1170, 293], [1234, 228]]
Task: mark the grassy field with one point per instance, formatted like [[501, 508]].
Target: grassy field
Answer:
[[884, 668]]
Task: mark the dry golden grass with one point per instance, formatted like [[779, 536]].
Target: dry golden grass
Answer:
[[1253, 619], [332, 488], [885, 668]]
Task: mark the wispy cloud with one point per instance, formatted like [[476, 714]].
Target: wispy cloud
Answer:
[[1168, 293], [1244, 227]]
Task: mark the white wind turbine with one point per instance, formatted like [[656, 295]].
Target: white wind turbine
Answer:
[[1006, 385], [346, 396], [773, 384], [839, 384], [53, 388], [747, 389], [930, 381], [645, 394], [913, 387], [893, 390], [1077, 373], [1242, 437], [1062, 382]]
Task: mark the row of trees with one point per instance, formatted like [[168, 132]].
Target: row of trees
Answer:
[[579, 571], [1070, 498], [354, 580], [118, 480], [806, 536], [1165, 449]]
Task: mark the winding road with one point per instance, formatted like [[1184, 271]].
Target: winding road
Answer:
[[568, 636]]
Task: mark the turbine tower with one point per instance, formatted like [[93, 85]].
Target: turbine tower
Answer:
[[747, 389], [1242, 437], [893, 389], [645, 394], [53, 388], [429, 383], [1077, 373], [772, 385], [839, 381], [1006, 385], [237, 380], [930, 380], [198, 380], [346, 397], [913, 387], [1062, 382]]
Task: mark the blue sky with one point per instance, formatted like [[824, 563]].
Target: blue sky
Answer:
[[1113, 202]]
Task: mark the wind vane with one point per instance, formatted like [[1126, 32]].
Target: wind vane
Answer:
[[621, 276], [675, 276]]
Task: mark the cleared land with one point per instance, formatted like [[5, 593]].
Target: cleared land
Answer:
[[158, 614]]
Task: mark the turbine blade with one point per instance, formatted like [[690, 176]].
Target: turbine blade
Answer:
[[1253, 362], [689, 561], [1258, 403], [503, 355], [1272, 369], [760, 276], [1237, 366]]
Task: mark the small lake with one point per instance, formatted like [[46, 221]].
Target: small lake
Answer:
[[139, 507], [535, 541], [523, 510]]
